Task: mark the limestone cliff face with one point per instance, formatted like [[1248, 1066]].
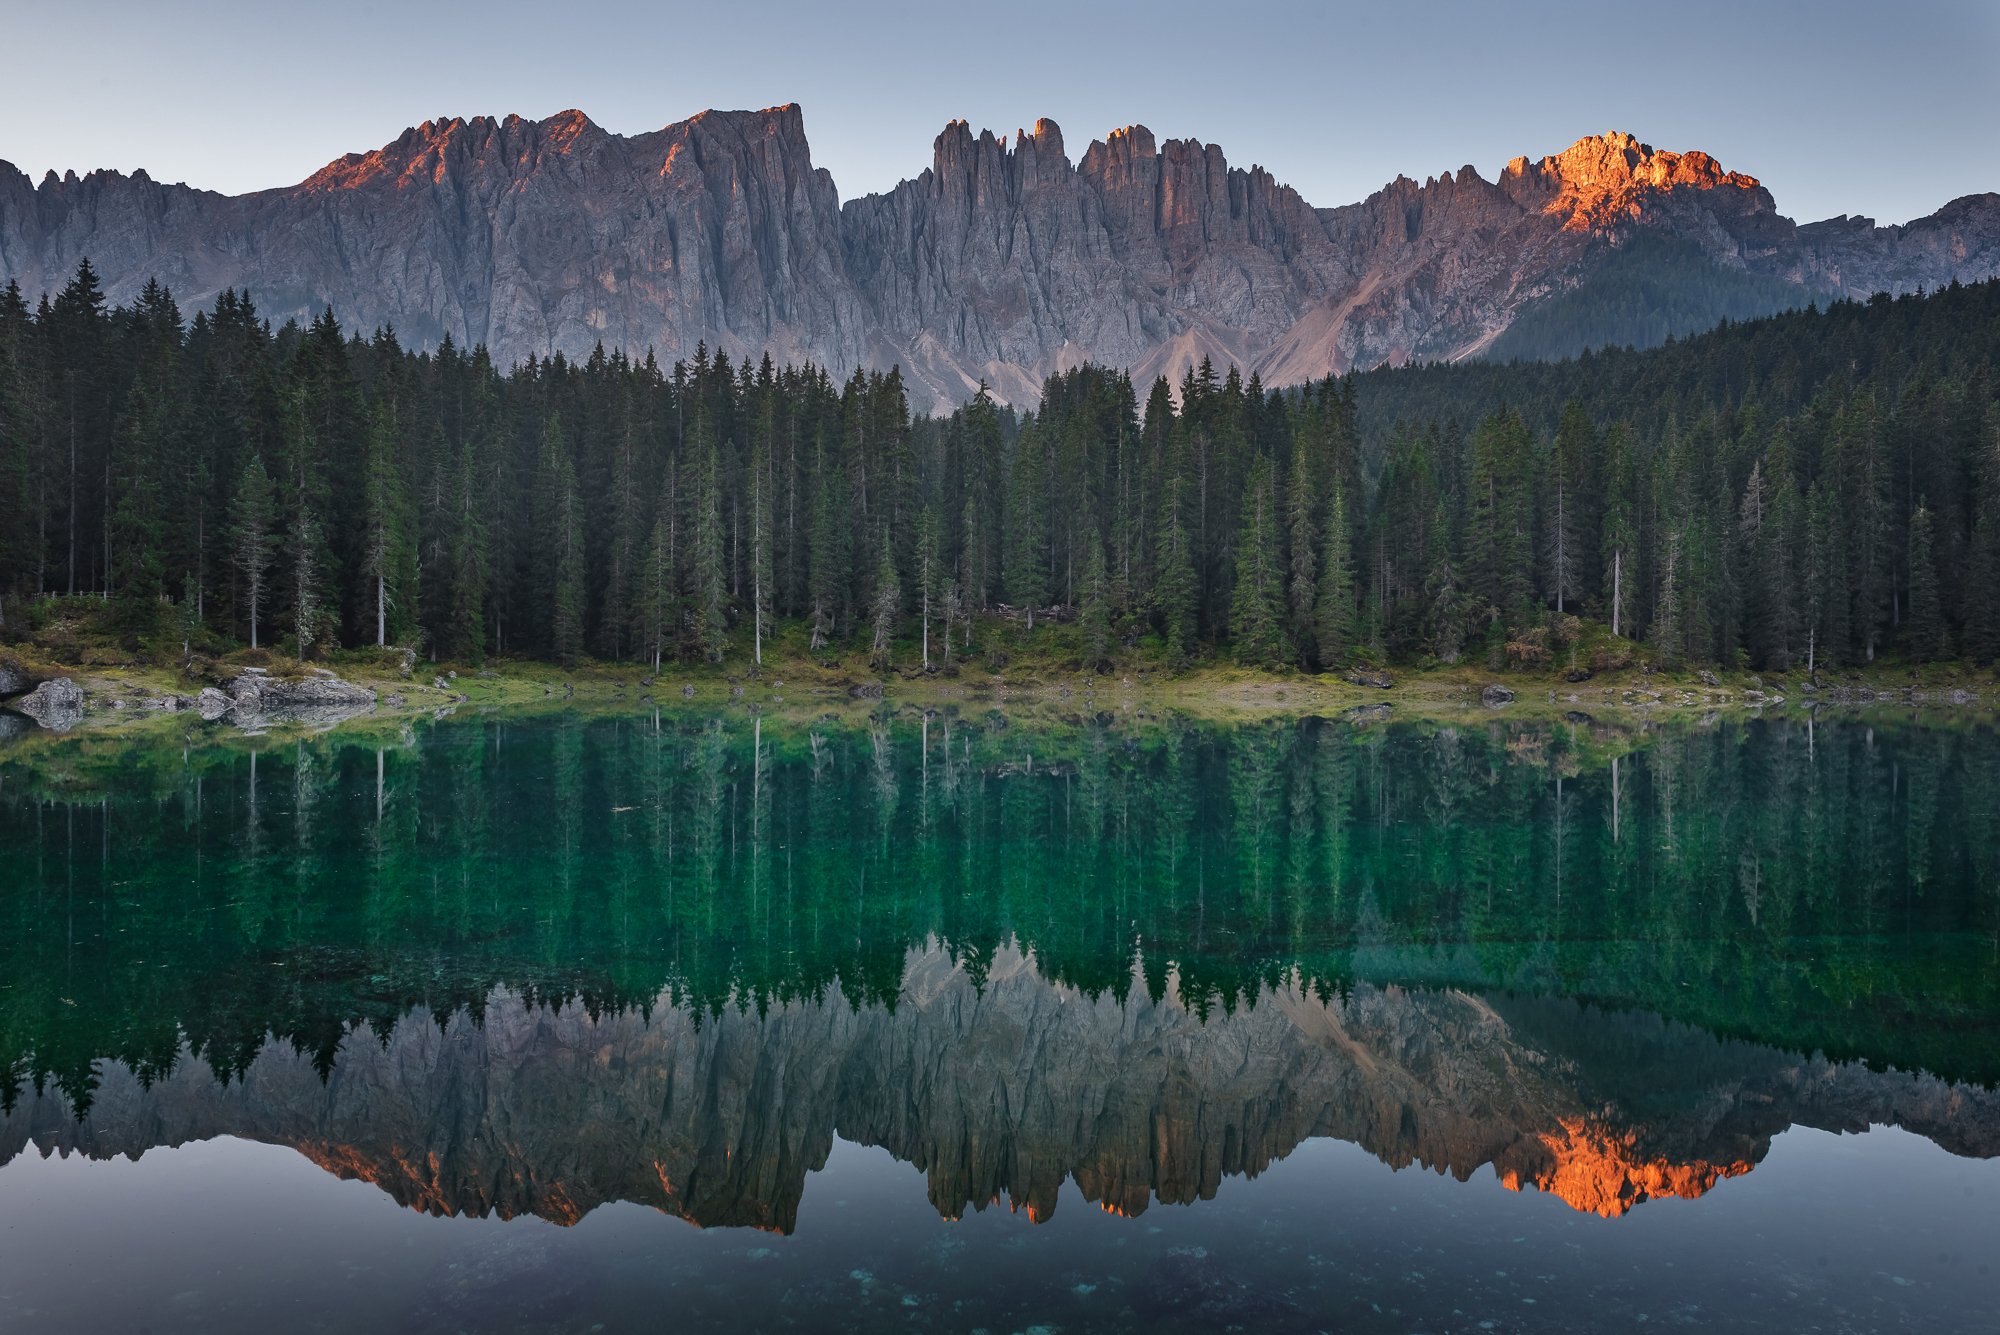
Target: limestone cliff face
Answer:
[[1001, 262], [530, 237], [1007, 1090]]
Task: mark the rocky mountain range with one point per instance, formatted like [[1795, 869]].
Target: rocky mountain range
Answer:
[[1005, 1088], [1003, 261]]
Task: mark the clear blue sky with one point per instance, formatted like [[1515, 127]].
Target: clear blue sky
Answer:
[[1881, 108]]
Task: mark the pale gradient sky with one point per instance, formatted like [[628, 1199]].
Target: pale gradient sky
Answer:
[[1838, 106]]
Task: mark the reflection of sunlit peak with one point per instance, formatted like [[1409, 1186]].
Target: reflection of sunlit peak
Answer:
[[1600, 1172]]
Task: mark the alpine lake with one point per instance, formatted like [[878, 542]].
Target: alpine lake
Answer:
[[941, 1020]]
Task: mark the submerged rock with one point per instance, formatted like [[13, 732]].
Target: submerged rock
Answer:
[[57, 705]]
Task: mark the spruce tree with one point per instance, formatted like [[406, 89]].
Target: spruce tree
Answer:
[[1256, 621], [21, 516], [1666, 632], [1333, 599], [1302, 524], [388, 546], [1982, 583], [1501, 545], [1094, 615], [466, 562], [139, 514], [1924, 636], [930, 578], [562, 546], [1174, 590], [1620, 542], [655, 603], [303, 543], [1026, 566], [888, 602], [1444, 593], [1561, 548], [189, 621], [762, 537], [253, 526], [707, 573], [829, 553]]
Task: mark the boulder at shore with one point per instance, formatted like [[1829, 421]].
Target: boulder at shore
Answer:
[[57, 705], [14, 679], [1493, 695], [258, 697]]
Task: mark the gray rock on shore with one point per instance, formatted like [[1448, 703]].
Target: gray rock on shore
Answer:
[[57, 705], [14, 679], [257, 697]]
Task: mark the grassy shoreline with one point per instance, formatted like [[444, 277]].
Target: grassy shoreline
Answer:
[[801, 686]]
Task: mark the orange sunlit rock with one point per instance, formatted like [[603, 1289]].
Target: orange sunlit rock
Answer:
[[1604, 180], [1600, 1171]]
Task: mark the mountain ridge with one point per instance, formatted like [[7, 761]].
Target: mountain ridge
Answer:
[[1002, 261]]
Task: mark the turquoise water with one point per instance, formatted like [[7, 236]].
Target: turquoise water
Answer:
[[950, 1023]]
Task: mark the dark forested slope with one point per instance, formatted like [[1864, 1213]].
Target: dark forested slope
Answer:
[[1816, 487]]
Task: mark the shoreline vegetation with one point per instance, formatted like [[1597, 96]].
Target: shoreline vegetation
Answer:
[[1043, 678]]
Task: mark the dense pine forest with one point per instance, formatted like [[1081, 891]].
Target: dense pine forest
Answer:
[[1820, 487]]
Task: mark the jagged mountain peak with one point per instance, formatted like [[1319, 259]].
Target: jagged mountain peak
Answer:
[[1001, 262], [1604, 180]]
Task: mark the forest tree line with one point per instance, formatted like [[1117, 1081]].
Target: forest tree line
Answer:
[[1819, 487]]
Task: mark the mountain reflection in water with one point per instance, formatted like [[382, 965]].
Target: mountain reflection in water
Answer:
[[532, 967], [1002, 1091]]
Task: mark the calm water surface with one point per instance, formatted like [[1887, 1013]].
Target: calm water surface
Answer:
[[569, 1024]]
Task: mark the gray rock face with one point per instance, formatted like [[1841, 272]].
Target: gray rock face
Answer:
[[1010, 1086], [56, 704], [1493, 695], [1000, 262], [259, 698]]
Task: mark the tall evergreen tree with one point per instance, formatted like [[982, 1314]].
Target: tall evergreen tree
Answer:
[[762, 538], [562, 545], [303, 543], [1094, 614], [888, 601], [1256, 621], [1174, 590], [388, 547], [254, 525], [656, 604], [1027, 545], [1620, 542], [1924, 633], [708, 590], [1302, 536], [829, 553], [930, 578], [466, 568], [1333, 599]]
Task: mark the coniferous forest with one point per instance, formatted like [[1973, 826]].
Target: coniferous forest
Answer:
[[1816, 488]]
